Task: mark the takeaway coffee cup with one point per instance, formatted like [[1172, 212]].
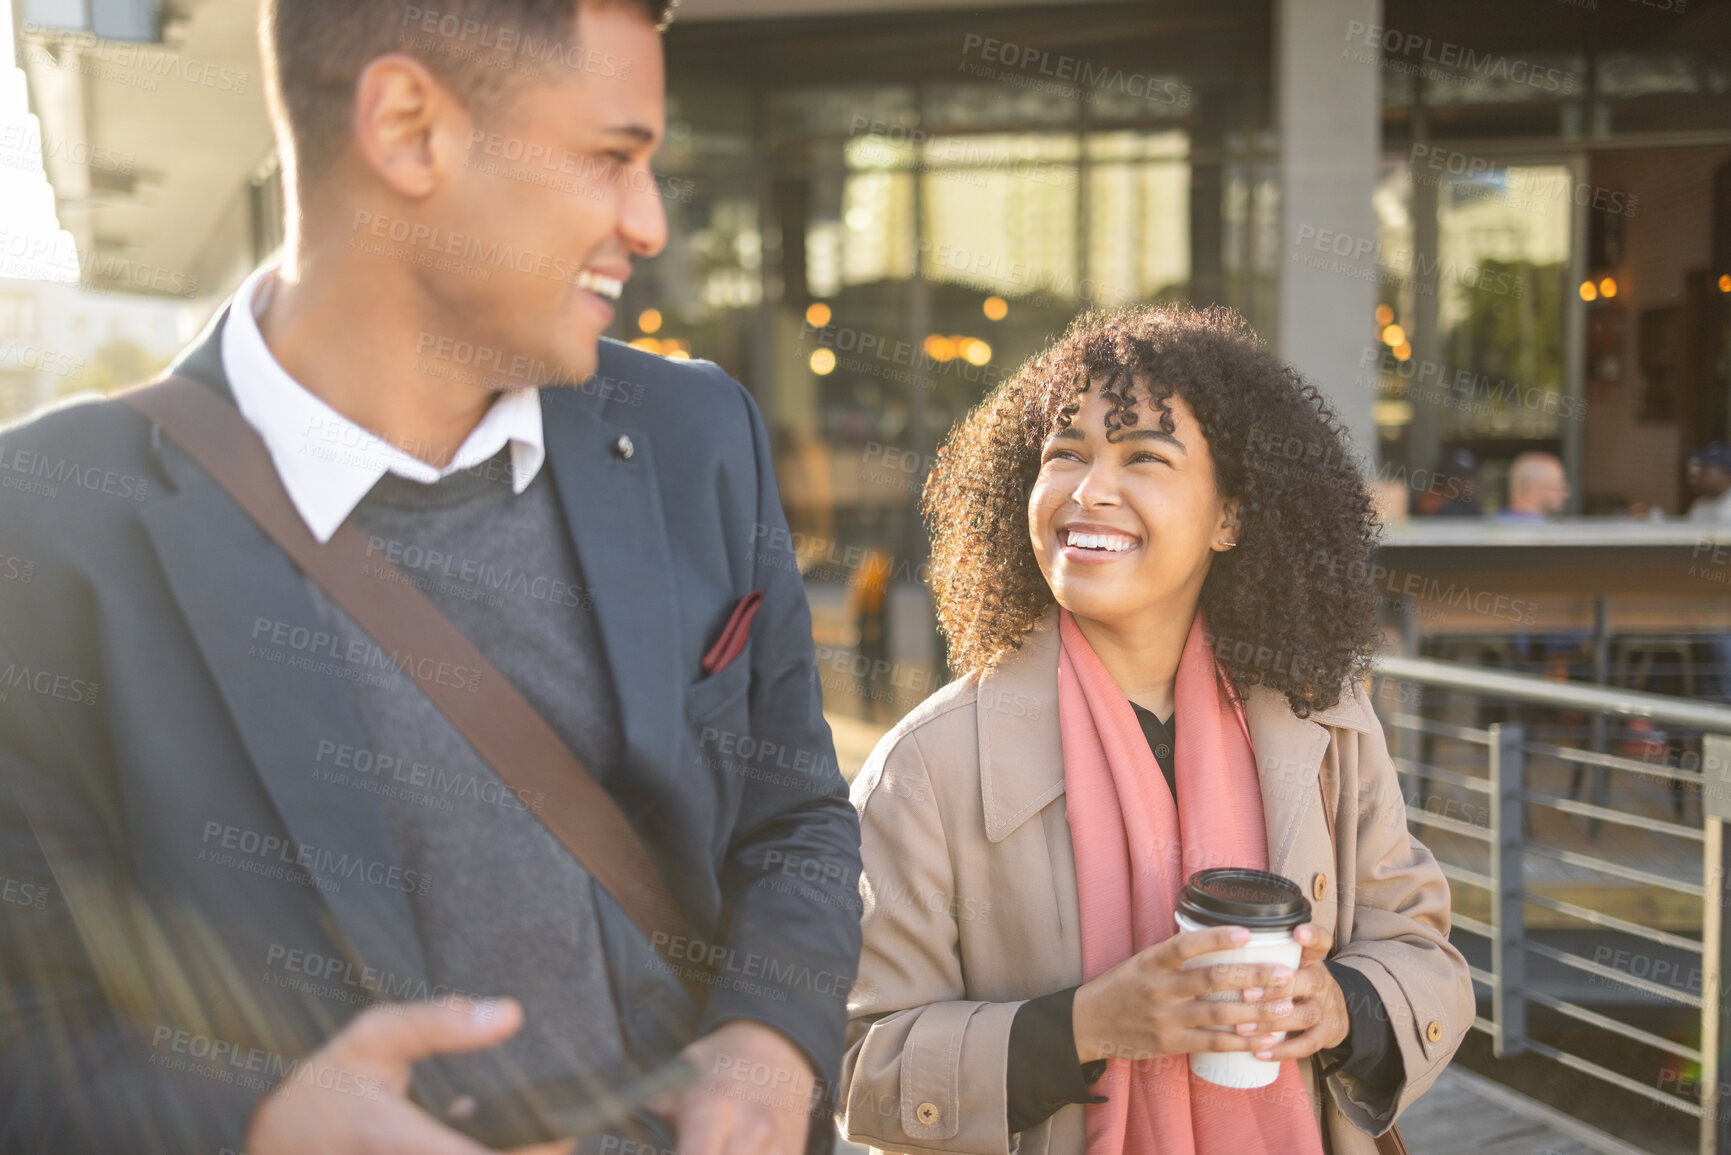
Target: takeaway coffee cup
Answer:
[[1271, 907]]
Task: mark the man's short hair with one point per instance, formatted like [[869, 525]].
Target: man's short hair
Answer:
[[315, 50]]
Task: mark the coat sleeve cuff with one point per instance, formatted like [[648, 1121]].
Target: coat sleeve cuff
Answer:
[[807, 1025], [951, 1083]]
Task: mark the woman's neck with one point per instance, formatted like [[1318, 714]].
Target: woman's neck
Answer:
[[1142, 656]]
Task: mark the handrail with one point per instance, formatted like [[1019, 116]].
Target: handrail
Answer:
[[1511, 797], [1545, 692], [1612, 762]]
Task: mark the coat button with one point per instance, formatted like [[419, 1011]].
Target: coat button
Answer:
[[1433, 1031], [623, 447], [1319, 887], [926, 1113]]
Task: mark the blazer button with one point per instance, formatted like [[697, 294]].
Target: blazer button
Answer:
[[1433, 1031], [1319, 887], [623, 447], [926, 1113]]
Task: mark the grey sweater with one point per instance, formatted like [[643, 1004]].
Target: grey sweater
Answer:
[[508, 910]]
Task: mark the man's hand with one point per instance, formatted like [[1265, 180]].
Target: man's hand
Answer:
[[752, 1094], [350, 1097]]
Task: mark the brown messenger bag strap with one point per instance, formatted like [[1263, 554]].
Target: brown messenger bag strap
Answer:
[[505, 730]]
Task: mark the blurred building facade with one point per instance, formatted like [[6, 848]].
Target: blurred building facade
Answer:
[[1489, 225]]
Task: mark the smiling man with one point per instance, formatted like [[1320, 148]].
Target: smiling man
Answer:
[[283, 885]]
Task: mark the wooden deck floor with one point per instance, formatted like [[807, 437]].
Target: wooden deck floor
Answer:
[[1464, 1112]]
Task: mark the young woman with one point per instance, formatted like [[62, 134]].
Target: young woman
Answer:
[[1151, 549]]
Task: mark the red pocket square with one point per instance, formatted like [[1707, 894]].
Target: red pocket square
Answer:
[[734, 634]]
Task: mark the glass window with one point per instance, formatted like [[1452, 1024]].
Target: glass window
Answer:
[[872, 254], [1471, 321], [1503, 259], [1139, 215], [17, 316]]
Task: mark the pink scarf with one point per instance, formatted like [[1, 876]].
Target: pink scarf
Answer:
[[1134, 850]]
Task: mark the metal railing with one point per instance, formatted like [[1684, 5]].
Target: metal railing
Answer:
[[1510, 849]]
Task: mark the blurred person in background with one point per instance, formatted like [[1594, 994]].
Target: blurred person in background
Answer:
[[868, 598], [1538, 488], [1710, 478], [246, 824], [1452, 496], [1162, 630]]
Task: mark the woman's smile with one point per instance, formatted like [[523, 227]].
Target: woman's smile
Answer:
[[1089, 543]]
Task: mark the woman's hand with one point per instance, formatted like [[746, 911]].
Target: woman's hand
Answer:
[[1149, 1005], [1318, 1018]]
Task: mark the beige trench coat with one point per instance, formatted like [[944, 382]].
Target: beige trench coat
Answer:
[[971, 907]]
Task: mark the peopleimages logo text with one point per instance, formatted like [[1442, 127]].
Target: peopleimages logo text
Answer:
[[1072, 69], [1480, 66]]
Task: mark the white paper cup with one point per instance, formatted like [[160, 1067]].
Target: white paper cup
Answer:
[[1241, 1069]]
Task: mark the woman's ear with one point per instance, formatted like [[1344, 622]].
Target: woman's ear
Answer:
[[1226, 534]]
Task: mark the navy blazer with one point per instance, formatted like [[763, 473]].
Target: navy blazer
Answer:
[[187, 908]]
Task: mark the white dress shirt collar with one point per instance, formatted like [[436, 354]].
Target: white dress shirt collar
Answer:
[[327, 462]]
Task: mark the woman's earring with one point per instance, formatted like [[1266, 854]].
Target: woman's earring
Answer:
[[1228, 545]]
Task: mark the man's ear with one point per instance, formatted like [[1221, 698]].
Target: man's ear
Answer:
[[409, 129]]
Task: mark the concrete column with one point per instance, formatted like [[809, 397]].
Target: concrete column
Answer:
[[1328, 107]]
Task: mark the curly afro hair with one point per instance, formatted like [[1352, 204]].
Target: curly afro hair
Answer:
[[1292, 608]]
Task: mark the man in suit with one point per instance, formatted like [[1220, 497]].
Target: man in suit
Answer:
[[252, 879]]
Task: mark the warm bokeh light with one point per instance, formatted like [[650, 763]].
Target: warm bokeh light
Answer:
[[996, 308], [818, 315], [1392, 413], [1588, 291], [1403, 351], [1725, 282], [940, 348], [667, 347], [823, 362], [649, 321], [1608, 287], [1393, 335], [1384, 315], [976, 351]]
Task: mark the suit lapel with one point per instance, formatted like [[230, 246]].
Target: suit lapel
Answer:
[[228, 578], [613, 507]]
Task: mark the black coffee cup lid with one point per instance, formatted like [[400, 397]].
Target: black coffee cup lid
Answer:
[[1239, 896]]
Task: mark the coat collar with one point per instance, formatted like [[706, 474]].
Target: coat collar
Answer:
[[1022, 755]]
